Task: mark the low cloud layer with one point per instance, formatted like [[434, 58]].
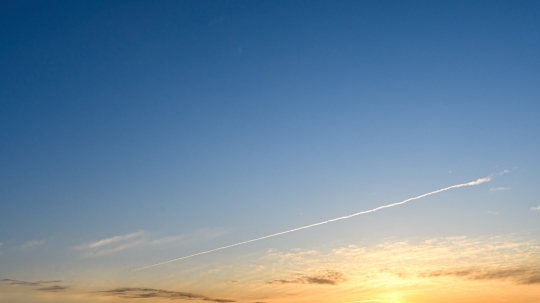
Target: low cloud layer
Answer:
[[144, 293], [521, 275], [53, 288], [329, 277], [27, 283], [504, 258], [38, 285]]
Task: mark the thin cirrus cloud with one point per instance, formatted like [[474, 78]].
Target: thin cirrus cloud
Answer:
[[111, 241], [535, 208], [141, 238], [145, 293], [112, 245]]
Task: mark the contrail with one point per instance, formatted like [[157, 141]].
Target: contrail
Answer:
[[472, 183]]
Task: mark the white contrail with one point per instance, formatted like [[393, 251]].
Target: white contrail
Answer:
[[472, 183]]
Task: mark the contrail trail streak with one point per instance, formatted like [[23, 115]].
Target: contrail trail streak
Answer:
[[473, 183]]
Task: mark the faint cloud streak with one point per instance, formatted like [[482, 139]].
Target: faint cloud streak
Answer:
[[32, 244], [116, 244], [330, 277], [111, 240], [53, 288], [144, 293], [520, 274], [43, 285]]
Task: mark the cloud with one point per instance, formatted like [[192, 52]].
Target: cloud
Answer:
[[125, 293], [32, 244], [110, 241], [53, 288], [535, 208], [330, 277], [512, 260], [116, 244], [499, 188], [19, 282], [493, 212], [43, 285], [143, 293], [520, 274]]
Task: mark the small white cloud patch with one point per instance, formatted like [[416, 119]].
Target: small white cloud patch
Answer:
[[535, 208], [32, 244], [499, 188]]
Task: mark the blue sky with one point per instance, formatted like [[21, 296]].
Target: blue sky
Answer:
[[220, 121]]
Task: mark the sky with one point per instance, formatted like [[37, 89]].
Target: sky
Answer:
[[133, 133]]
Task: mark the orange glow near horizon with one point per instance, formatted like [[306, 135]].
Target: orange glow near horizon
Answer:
[[488, 269]]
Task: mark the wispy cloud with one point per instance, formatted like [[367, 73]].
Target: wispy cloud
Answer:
[[112, 245], [43, 285], [145, 293], [53, 288], [493, 212], [26, 283], [111, 240], [499, 188], [116, 244], [32, 244], [19, 282], [520, 274], [535, 208], [330, 277]]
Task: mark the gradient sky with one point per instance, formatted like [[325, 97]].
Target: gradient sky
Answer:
[[136, 132]]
